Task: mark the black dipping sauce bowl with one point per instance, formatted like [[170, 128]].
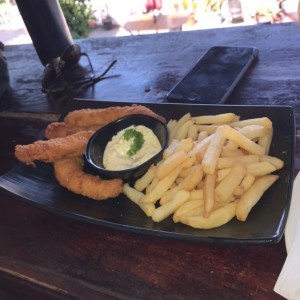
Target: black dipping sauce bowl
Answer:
[[98, 141]]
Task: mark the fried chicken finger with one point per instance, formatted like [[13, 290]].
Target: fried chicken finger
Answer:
[[103, 116], [54, 149], [69, 173], [61, 129]]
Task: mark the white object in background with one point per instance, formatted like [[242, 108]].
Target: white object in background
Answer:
[[288, 282], [294, 214]]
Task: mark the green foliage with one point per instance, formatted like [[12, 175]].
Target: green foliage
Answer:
[[78, 14]]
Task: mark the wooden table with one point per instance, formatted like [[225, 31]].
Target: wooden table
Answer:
[[47, 256]]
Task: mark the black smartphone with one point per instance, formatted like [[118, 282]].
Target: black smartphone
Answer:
[[214, 76]]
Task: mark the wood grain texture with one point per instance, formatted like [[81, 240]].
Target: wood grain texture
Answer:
[[150, 65], [45, 254]]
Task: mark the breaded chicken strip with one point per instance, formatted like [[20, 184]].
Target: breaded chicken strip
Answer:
[[103, 116], [54, 149], [61, 129], [93, 119], [69, 173]]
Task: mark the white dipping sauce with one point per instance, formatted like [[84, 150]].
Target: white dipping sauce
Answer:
[[116, 157]]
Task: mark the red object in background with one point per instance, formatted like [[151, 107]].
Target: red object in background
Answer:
[[151, 5]]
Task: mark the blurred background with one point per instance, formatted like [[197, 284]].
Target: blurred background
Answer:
[[99, 18]]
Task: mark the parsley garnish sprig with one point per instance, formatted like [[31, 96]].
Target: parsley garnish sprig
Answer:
[[137, 143]]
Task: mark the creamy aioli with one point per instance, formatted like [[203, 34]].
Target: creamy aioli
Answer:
[[116, 157]]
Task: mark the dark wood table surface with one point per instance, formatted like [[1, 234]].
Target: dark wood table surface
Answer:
[[48, 256]]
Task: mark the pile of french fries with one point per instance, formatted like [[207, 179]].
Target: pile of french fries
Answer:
[[215, 168]]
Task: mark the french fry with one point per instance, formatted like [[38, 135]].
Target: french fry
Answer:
[[169, 208], [230, 146], [264, 121], [178, 124], [221, 174], [228, 162], [232, 153], [184, 172], [135, 196], [192, 179], [183, 218], [182, 131], [213, 152], [253, 195], [185, 144], [196, 194], [141, 183], [189, 162], [238, 192], [203, 144], [276, 162], [202, 135], [261, 168], [208, 128], [178, 180], [215, 119], [172, 162], [172, 147], [192, 132], [246, 183], [167, 196], [183, 119], [152, 185], [225, 188], [216, 218], [265, 141], [251, 132], [161, 187], [188, 183], [171, 123], [242, 141], [254, 131], [176, 145], [186, 207], [209, 193]]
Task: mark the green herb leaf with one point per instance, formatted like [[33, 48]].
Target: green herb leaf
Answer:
[[137, 143]]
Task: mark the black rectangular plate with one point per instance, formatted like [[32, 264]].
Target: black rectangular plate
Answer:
[[265, 224]]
